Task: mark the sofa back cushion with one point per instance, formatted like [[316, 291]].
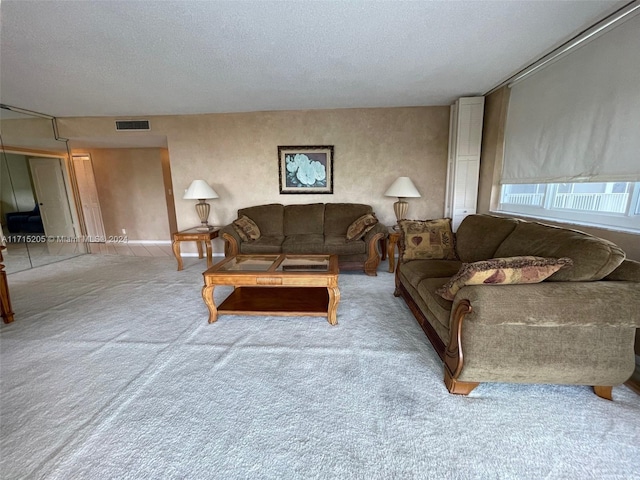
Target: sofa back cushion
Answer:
[[593, 258], [627, 271], [303, 219], [479, 236], [268, 218], [338, 216]]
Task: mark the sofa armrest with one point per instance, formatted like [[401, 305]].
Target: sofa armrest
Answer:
[[372, 240], [583, 304], [378, 228], [231, 239]]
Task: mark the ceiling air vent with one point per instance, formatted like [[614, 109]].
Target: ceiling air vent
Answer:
[[132, 125]]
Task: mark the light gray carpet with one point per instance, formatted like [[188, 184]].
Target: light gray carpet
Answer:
[[111, 371]]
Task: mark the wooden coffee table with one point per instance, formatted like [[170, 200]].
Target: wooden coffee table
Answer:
[[286, 285]]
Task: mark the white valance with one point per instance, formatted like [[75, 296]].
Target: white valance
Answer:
[[578, 119]]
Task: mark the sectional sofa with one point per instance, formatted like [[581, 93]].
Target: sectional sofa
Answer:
[[506, 300]]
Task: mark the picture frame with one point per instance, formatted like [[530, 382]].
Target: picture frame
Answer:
[[305, 169]]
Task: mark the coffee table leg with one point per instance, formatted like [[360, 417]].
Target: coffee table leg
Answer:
[[199, 243], [207, 296], [176, 253], [332, 310]]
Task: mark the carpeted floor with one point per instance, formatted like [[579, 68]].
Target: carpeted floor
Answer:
[[111, 371]]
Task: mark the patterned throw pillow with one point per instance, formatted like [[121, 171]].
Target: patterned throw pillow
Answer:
[[503, 271], [360, 227], [246, 229], [427, 240]]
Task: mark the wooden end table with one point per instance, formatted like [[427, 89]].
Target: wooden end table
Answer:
[[394, 236], [5, 300], [200, 237], [276, 284]]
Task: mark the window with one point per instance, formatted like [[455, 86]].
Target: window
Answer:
[[613, 205]]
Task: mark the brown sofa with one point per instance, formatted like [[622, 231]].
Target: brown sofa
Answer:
[[576, 327], [315, 228]]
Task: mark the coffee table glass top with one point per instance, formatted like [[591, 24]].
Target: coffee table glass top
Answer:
[[249, 263], [285, 263], [299, 263]]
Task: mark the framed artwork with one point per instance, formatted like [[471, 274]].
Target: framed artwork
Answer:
[[306, 169]]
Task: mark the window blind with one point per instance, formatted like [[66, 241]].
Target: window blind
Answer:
[[578, 119]]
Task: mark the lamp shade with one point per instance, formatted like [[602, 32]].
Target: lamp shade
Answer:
[[402, 187], [199, 189]]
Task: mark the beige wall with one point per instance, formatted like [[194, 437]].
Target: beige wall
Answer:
[[131, 192], [491, 167], [238, 155], [31, 133]]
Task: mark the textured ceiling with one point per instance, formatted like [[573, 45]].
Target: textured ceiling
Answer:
[[128, 58]]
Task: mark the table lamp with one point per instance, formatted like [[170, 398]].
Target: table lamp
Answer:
[[201, 191], [402, 188]]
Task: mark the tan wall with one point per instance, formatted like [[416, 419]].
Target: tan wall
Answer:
[[491, 167], [238, 155], [131, 192], [31, 133]]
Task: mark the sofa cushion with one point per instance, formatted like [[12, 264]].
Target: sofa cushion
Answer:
[[303, 219], [361, 226], [593, 258], [425, 299], [417, 270], [339, 245], [479, 236], [437, 305], [312, 243], [246, 229], [265, 244], [502, 271], [338, 216], [426, 239], [268, 218]]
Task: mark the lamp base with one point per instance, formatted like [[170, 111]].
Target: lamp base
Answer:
[[400, 208], [202, 209]]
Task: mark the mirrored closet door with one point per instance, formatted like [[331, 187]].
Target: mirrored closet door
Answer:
[[38, 215]]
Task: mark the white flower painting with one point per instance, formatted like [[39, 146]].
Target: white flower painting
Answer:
[[306, 169], [301, 170]]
